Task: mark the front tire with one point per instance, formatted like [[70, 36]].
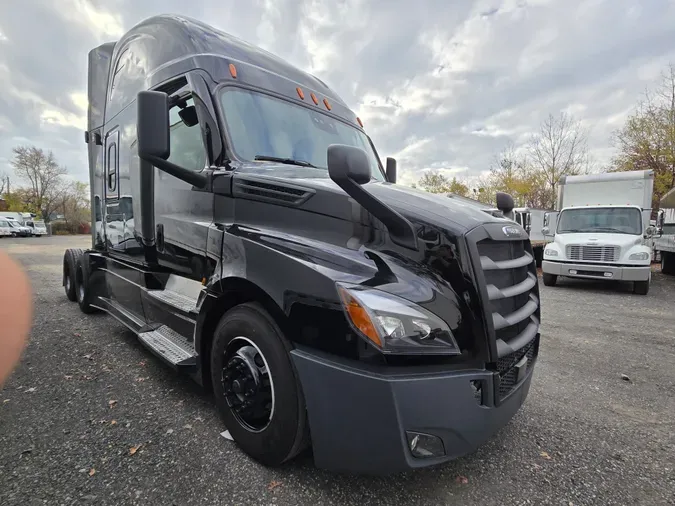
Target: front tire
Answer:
[[257, 392], [82, 286], [550, 279], [70, 260], [667, 263]]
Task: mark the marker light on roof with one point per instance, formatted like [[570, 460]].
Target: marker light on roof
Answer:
[[301, 93], [360, 122], [314, 99], [233, 70], [325, 102]]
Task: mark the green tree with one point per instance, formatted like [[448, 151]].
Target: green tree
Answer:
[[434, 182], [647, 140]]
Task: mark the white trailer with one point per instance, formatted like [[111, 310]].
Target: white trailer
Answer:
[[602, 230], [664, 241]]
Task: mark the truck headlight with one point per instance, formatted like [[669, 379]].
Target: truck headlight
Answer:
[[639, 256], [395, 325], [550, 253]]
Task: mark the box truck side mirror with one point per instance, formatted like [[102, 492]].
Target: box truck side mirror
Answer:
[[391, 170], [545, 231]]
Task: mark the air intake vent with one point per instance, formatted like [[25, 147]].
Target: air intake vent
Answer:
[[272, 192]]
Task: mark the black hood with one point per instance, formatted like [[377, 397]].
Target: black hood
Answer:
[[316, 192]]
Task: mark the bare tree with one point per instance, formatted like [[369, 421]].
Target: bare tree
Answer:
[[43, 175], [559, 149], [4, 183]]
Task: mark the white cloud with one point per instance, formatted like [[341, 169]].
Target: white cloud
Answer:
[[443, 85]]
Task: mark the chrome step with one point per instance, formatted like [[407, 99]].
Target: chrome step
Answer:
[[170, 345], [175, 299]]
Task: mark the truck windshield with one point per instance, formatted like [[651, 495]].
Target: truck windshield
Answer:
[[267, 128], [604, 219]]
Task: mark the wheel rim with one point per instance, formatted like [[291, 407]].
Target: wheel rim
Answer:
[[68, 285], [247, 385], [80, 291]]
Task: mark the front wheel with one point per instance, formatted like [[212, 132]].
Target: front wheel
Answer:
[[83, 287], [255, 386], [667, 263], [550, 279], [641, 287]]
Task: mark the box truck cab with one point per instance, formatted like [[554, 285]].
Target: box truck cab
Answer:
[[602, 229], [664, 240], [265, 251]]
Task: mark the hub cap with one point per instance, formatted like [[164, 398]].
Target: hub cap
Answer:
[[81, 291], [248, 385]]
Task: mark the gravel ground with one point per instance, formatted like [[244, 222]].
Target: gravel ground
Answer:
[[91, 417]]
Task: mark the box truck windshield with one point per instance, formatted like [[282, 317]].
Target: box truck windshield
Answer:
[[604, 220], [266, 128]]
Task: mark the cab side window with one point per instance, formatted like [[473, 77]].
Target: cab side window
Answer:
[[187, 145]]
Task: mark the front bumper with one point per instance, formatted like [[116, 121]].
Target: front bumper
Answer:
[[597, 271], [358, 418]]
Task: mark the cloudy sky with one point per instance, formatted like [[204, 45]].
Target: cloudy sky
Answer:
[[439, 84]]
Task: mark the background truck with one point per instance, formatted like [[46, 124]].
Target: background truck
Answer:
[[602, 229], [533, 222], [664, 240], [273, 258]]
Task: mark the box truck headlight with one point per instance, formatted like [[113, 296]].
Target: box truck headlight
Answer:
[[550, 253], [639, 256], [395, 325]]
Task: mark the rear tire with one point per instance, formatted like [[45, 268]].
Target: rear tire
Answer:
[[82, 287], [278, 431], [667, 263], [550, 279], [641, 287], [70, 259]]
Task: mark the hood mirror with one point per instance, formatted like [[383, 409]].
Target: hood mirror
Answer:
[[391, 170]]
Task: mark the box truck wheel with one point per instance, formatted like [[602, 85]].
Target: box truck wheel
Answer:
[[667, 263], [255, 385], [641, 287], [550, 279], [82, 286], [70, 259]]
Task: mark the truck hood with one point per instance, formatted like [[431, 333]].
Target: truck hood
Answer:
[[326, 197], [598, 239]]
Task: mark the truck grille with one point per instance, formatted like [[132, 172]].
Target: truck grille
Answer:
[[510, 299], [593, 253]]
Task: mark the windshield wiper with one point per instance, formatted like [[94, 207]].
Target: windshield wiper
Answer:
[[289, 161]]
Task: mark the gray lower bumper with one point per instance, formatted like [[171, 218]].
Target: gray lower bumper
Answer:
[[592, 271], [358, 419]]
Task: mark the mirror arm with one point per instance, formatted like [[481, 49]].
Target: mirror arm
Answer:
[[195, 179]]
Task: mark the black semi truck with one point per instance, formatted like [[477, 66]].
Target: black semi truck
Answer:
[[246, 230]]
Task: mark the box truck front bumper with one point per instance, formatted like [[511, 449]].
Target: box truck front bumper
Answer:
[[596, 271], [375, 423]]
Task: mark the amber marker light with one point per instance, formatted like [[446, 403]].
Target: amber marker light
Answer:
[[359, 316]]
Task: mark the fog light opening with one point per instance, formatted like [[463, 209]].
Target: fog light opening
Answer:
[[477, 389], [608, 274], [424, 446]]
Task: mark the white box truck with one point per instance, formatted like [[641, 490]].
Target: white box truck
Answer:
[[602, 229], [534, 221], [664, 242]]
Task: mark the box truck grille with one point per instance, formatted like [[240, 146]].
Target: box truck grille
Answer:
[[593, 253], [512, 307]]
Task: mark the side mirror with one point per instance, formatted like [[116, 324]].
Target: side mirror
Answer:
[[153, 125], [505, 202], [545, 231], [546, 218], [152, 128], [650, 231], [391, 170], [349, 168]]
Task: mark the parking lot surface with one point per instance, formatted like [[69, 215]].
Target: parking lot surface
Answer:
[[91, 417]]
